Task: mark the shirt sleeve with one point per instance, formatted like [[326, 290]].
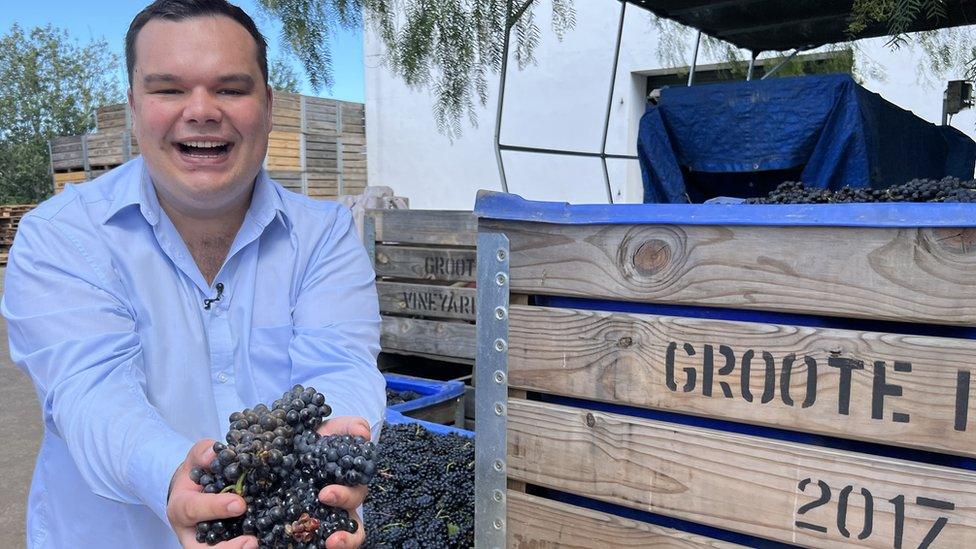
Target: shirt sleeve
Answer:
[[72, 332], [337, 327]]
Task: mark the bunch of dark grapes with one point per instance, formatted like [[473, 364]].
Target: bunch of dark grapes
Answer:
[[948, 189], [423, 492], [399, 397], [276, 461]]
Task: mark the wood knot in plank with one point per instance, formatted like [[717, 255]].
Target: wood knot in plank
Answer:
[[957, 240], [652, 257], [590, 420], [625, 342]]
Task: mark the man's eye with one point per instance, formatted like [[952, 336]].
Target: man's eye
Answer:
[[232, 92], [166, 91]]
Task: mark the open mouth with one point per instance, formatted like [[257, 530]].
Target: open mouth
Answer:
[[205, 149]]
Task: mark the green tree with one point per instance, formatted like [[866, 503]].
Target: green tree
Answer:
[[49, 86], [283, 77]]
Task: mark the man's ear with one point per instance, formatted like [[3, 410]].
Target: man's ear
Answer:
[[270, 108], [132, 106]]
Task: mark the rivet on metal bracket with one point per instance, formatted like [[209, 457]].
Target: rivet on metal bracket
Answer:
[[499, 409], [499, 376], [501, 313], [500, 345], [497, 495], [499, 465], [501, 255], [501, 279]]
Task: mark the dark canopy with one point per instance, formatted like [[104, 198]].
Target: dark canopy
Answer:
[[761, 25]]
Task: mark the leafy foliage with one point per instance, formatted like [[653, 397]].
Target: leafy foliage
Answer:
[[675, 42], [447, 46], [50, 86], [283, 77], [949, 50]]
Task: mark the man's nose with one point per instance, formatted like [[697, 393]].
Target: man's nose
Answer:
[[202, 107]]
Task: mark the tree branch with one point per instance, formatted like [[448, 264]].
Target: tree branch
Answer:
[[518, 13]]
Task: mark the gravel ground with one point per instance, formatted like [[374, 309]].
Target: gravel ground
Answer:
[[21, 429]]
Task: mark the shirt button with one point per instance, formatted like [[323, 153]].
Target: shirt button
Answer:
[[222, 378]]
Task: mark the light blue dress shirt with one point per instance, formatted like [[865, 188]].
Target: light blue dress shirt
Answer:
[[105, 310]]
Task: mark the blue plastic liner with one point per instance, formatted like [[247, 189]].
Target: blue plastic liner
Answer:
[[496, 205], [434, 392], [744, 138], [396, 418]]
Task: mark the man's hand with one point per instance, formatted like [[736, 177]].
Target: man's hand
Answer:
[[345, 497], [188, 505]]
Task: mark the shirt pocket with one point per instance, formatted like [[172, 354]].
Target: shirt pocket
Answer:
[[270, 361]]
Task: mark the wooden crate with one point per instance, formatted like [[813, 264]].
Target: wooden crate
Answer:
[[807, 385], [10, 215], [425, 274]]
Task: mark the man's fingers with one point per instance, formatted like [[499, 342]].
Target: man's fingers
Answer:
[[201, 454], [193, 507], [345, 540], [240, 542], [345, 497], [346, 425]]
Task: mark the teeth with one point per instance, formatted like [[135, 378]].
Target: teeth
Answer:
[[205, 144]]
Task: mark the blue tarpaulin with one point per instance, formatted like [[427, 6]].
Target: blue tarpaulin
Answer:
[[744, 138]]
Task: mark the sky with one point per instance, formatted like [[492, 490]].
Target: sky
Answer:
[[110, 19]]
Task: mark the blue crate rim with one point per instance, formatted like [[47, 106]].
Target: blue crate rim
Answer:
[[511, 207], [435, 392]]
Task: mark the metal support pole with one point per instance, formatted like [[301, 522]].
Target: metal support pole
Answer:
[[752, 65], [945, 108], [780, 64], [491, 392], [694, 59], [606, 121], [501, 97]]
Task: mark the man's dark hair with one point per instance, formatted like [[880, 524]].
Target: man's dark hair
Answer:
[[178, 10]]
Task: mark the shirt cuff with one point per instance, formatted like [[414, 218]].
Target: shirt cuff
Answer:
[[152, 468]]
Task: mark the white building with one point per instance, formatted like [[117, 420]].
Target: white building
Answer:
[[559, 103]]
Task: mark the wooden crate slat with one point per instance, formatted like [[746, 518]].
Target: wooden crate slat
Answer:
[[426, 263], [69, 177], [644, 360], [327, 127], [426, 300], [539, 522], [910, 274], [738, 482], [450, 228], [428, 337]]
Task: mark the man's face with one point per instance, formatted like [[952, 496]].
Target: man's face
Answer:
[[200, 111]]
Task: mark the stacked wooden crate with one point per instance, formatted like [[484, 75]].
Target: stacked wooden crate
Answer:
[[425, 277], [10, 215], [691, 376], [317, 146]]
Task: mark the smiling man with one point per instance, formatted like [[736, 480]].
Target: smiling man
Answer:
[[151, 303]]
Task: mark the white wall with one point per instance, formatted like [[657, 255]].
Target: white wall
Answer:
[[559, 102]]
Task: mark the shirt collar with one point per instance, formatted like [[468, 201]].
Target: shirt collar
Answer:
[[266, 203]]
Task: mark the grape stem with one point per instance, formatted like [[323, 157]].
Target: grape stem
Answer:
[[237, 488]]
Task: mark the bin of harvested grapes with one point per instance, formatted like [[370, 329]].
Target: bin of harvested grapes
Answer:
[[755, 374], [426, 399]]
